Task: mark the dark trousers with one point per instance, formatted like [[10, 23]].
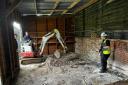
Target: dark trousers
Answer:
[[104, 59]]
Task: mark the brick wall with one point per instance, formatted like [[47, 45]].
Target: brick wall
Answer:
[[120, 53], [89, 48]]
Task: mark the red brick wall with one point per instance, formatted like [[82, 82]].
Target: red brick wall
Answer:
[[120, 51], [89, 48]]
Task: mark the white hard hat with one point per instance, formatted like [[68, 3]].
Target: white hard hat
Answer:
[[103, 34]]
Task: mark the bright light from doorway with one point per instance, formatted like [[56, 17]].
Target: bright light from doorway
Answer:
[[16, 25]]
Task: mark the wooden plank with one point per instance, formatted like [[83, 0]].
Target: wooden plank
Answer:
[[2, 66], [60, 24], [41, 26], [73, 4], [29, 24], [51, 22], [64, 24], [55, 6], [79, 24], [85, 6]]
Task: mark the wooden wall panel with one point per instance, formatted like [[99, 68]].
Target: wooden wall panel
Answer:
[[102, 16], [51, 24], [61, 25], [47, 24], [69, 27], [10, 64], [29, 24], [8, 59], [42, 25], [110, 17], [2, 62]]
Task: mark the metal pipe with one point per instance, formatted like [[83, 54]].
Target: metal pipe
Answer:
[[35, 4]]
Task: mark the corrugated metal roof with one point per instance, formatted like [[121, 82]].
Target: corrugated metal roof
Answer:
[[50, 7]]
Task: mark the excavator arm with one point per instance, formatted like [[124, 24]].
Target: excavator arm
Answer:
[[46, 37]]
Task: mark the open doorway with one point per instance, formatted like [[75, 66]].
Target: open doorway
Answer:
[[17, 34]]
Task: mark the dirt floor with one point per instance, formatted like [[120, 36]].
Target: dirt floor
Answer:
[[70, 69]]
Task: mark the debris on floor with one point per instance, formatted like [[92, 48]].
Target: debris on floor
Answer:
[[69, 69]]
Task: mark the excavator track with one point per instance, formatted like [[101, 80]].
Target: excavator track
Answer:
[[26, 61]]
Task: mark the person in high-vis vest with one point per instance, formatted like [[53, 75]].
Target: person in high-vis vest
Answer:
[[104, 51]]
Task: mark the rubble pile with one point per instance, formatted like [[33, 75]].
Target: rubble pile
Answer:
[[66, 59], [69, 69]]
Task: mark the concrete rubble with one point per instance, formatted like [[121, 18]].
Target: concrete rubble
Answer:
[[69, 69]]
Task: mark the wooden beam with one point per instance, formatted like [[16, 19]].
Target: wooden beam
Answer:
[[15, 5], [85, 6], [47, 10], [60, 1], [52, 9], [55, 6], [35, 6], [109, 1], [35, 14], [71, 6]]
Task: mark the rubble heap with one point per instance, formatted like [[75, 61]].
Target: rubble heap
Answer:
[[68, 69]]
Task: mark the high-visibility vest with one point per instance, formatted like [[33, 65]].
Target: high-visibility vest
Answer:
[[105, 50]]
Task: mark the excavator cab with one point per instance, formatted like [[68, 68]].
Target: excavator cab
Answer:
[[26, 50]]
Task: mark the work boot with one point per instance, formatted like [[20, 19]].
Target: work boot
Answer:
[[103, 71]]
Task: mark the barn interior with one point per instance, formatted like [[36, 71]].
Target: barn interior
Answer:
[[65, 38]]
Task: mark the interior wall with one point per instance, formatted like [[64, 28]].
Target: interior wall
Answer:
[[8, 58], [107, 16], [88, 47], [1, 58], [103, 16], [9, 62], [39, 26]]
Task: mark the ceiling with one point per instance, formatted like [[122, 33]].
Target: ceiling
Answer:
[[49, 7]]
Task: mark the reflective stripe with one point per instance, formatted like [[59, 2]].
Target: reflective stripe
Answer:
[[106, 52]]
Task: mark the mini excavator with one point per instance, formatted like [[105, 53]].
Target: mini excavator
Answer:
[[29, 52]]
